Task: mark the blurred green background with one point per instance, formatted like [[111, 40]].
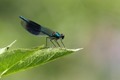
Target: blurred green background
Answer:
[[91, 24]]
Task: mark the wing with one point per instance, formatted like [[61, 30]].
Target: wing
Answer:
[[31, 26], [35, 28]]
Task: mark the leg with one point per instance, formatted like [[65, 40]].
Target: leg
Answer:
[[62, 43], [52, 42], [57, 42], [46, 40]]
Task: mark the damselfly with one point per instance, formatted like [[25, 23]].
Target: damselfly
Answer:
[[36, 29]]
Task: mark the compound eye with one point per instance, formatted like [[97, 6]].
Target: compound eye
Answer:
[[62, 36]]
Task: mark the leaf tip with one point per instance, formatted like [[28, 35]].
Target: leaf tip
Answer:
[[2, 50], [11, 43], [74, 50]]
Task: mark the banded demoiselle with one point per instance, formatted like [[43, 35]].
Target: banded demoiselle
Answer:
[[37, 29]]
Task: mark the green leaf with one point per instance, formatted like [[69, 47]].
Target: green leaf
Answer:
[[22, 59]]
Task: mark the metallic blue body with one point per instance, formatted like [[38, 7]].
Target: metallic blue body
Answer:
[[37, 29]]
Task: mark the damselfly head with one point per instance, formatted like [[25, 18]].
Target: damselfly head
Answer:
[[62, 36], [58, 35]]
